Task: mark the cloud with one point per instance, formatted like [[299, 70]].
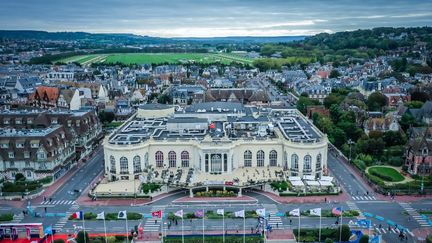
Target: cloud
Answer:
[[212, 17]]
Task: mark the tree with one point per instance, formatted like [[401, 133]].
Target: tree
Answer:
[[328, 240], [337, 137], [346, 232], [19, 177], [80, 237], [376, 101], [419, 96], [364, 239], [334, 74], [335, 113], [392, 138], [415, 104], [304, 102], [106, 117]]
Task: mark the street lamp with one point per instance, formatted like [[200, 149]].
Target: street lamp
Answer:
[[350, 143]]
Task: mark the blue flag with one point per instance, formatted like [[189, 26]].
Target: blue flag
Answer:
[[48, 230]]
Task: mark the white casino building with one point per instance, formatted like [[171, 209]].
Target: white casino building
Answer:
[[214, 143]]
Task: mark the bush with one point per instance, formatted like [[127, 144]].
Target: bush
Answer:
[[120, 237], [20, 177], [328, 240], [429, 239], [59, 241], [364, 239], [149, 187], [80, 237], [6, 217], [346, 232], [111, 239]]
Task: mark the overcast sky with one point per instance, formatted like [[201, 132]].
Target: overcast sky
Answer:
[[208, 18]]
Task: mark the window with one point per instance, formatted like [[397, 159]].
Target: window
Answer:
[[137, 164], [273, 158], [318, 162], [5, 145], [112, 164], [26, 154], [6, 121], [29, 174], [77, 123], [124, 165], [185, 159], [69, 123], [294, 162], [12, 164], [247, 158], [20, 144], [159, 159], [41, 155], [35, 145], [172, 158], [29, 121], [425, 152], [11, 155], [54, 121], [146, 160], [27, 164], [260, 158], [307, 162], [18, 121]]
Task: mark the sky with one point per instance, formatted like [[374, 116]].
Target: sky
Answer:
[[210, 18]]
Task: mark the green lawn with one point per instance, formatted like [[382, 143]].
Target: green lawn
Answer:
[[386, 173], [158, 58]]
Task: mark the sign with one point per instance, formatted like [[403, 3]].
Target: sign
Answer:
[[214, 183], [229, 183]]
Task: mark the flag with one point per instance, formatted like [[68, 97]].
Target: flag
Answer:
[[199, 213], [337, 211], [220, 211], [179, 213], [100, 215], [78, 215], [157, 214], [48, 230], [239, 214], [122, 215], [260, 212], [315, 211], [295, 212]]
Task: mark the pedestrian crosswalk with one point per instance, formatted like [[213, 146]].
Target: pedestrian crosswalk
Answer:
[[63, 220], [363, 198], [17, 218], [152, 225], [391, 230], [413, 213], [274, 220], [58, 202], [353, 206]]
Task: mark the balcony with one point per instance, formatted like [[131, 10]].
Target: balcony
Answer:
[[113, 171], [124, 172], [294, 169], [137, 171], [307, 170]]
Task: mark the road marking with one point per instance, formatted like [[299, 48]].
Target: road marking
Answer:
[[384, 230], [393, 230], [378, 230]]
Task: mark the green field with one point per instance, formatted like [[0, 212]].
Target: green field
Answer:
[[386, 173], [158, 58]]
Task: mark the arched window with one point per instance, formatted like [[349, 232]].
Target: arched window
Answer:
[[137, 164], [318, 162], [146, 160], [159, 157], [273, 158], [172, 158], [307, 162], [185, 159], [294, 162], [247, 158], [285, 161], [112, 165], [124, 168], [260, 158]]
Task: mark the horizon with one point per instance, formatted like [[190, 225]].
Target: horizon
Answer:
[[215, 18]]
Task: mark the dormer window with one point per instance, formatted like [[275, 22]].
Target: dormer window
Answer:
[[20, 144], [425, 151], [54, 121]]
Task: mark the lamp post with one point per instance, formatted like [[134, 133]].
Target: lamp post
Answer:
[[350, 143]]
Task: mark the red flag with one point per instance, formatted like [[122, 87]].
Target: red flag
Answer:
[[157, 214]]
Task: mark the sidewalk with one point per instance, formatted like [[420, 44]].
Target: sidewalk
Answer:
[[307, 199], [215, 199]]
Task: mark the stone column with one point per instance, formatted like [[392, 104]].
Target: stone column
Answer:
[[191, 193], [239, 192]]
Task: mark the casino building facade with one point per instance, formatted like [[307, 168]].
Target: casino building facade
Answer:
[[216, 141]]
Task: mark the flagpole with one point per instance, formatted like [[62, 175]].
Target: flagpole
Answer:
[[106, 239], [127, 229], [244, 227], [52, 235], [223, 226], [182, 229], [299, 226], [340, 227], [203, 224], [162, 230], [319, 237], [83, 222]]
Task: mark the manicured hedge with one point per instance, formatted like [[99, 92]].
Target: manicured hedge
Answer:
[[293, 194], [150, 187], [386, 174], [6, 217], [215, 239]]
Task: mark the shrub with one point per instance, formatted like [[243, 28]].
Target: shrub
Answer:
[[6, 217], [328, 240], [364, 239], [59, 241], [80, 237], [111, 239], [20, 177], [120, 237], [346, 232], [429, 239]]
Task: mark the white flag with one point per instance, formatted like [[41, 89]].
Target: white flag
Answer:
[[179, 213], [316, 211], [100, 215], [260, 212], [240, 214], [220, 211], [122, 215], [295, 212]]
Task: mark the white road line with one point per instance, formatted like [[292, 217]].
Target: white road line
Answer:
[[384, 230], [378, 230], [393, 230]]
